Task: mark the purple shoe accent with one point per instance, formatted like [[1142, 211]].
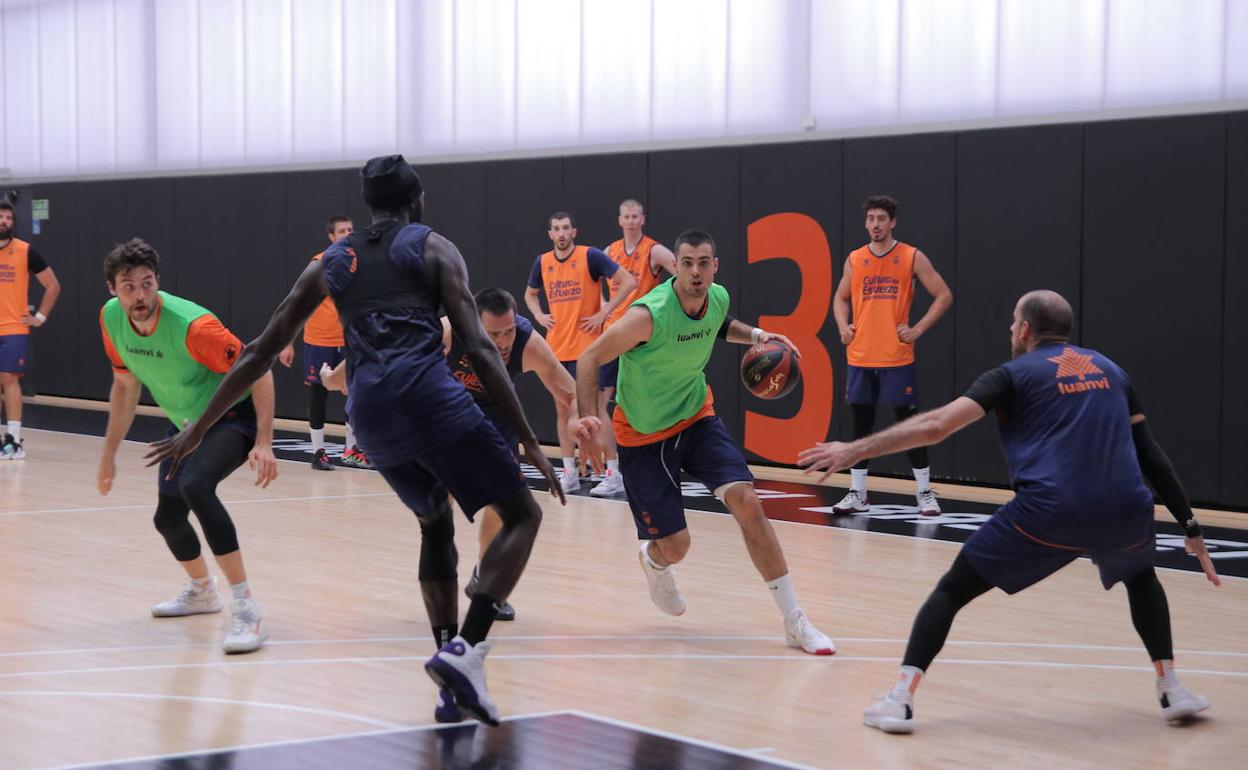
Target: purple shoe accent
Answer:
[[448, 677], [447, 711]]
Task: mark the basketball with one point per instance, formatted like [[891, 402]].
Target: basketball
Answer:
[[769, 370]]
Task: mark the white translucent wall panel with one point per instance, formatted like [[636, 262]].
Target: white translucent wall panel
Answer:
[[1051, 56], [370, 77], [222, 85], [268, 102], [485, 74], [135, 61], [21, 86], [317, 80], [617, 65], [58, 89], [96, 75], [690, 72], [177, 83], [1236, 36], [948, 59], [548, 73], [1162, 51], [426, 76], [853, 62], [768, 65]]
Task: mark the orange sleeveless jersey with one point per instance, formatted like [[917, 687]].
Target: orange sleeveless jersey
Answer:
[[571, 294], [882, 289], [14, 287], [323, 327], [637, 263]]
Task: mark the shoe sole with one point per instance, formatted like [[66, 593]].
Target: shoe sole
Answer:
[[448, 719], [1182, 713], [820, 651], [891, 725], [448, 678], [505, 614], [156, 614], [238, 650], [851, 510], [322, 467]]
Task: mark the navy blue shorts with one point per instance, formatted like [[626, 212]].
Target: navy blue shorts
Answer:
[[602, 373], [890, 386], [13, 353], [314, 356], [510, 437], [652, 474], [477, 468], [1012, 559], [241, 419]]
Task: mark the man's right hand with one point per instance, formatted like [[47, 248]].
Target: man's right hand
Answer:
[[287, 356], [545, 319], [586, 431], [105, 475], [1196, 547], [538, 459], [847, 334]]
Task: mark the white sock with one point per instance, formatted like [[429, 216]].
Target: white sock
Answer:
[[613, 467], [203, 583], [240, 590], [318, 438], [569, 465], [923, 478], [15, 430], [782, 592], [859, 479], [907, 680], [1166, 673], [645, 553], [350, 436]]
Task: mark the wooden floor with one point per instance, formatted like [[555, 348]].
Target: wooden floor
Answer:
[[1054, 677]]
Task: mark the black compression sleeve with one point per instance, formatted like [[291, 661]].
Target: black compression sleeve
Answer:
[[993, 390], [1160, 473], [723, 329]]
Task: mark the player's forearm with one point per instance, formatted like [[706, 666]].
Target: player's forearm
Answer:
[[587, 383], [532, 302], [923, 429], [740, 333], [622, 290], [50, 294], [264, 400], [123, 400], [1159, 472], [840, 311]]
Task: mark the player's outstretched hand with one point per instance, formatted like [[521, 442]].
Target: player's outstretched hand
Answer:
[[827, 456], [334, 379], [585, 431], [262, 461], [767, 336], [177, 447], [534, 454], [1196, 547], [287, 356]]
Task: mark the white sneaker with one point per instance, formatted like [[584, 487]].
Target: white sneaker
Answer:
[[853, 502], [192, 601], [662, 583], [612, 484], [891, 713], [246, 633], [929, 505], [800, 632], [460, 668], [570, 481], [1178, 702]]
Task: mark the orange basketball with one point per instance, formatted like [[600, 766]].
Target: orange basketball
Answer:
[[769, 369]]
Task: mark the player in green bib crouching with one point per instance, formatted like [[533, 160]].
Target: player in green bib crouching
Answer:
[[180, 351]]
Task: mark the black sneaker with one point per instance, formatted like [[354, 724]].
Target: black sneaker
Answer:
[[320, 461], [502, 610], [11, 449]]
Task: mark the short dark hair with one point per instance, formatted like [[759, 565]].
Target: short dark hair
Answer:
[[7, 205], [495, 300], [1048, 314], [135, 252], [695, 237], [333, 221], [550, 220], [884, 202]]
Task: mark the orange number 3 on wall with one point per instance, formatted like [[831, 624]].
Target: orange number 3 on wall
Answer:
[[801, 239]]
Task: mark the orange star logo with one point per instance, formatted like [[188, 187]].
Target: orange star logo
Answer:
[[1073, 364]]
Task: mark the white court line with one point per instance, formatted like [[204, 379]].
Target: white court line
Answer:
[[296, 742], [223, 502], [686, 739], [619, 637], [382, 723], [598, 656]]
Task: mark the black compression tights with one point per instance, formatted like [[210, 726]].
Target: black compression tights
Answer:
[[317, 395], [864, 423], [220, 453]]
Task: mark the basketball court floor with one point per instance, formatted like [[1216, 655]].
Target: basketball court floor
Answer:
[[590, 675]]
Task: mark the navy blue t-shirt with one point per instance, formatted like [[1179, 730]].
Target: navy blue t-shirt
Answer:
[[403, 399], [461, 368], [1064, 414]]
